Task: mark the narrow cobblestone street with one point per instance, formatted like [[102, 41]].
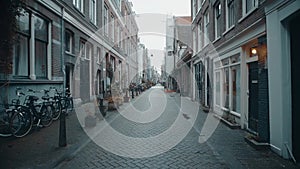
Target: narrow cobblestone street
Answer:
[[224, 149]]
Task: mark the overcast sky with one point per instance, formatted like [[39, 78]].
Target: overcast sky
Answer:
[[151, 15]]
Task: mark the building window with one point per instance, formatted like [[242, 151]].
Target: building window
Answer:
[[112, 28], [249, 5], [78, 4], [194, 8], [194, 40], [230, 14], [82, 48], [93, 11], [199, 5], [39, 38], [21, 48], [206, 24], [105, 20], [69, 41], [218, 20], [113, 64], [89, 50], [199, 37], [98, 55]]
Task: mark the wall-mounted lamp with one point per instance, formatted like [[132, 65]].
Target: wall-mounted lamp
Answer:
[[253, 51]]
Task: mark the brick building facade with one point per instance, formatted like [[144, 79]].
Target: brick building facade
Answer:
[[84, 45], [230, 62]]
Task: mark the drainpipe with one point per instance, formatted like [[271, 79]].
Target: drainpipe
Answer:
[[62, 118]]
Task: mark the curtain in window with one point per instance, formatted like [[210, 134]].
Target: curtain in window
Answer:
[[21, 56]]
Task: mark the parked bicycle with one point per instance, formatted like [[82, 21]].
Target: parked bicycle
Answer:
[[6, 112], [31, 114]]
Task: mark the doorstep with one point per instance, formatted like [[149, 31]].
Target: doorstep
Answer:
[[255, 144], [228, 123]]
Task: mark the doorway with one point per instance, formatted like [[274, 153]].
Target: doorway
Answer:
[[253, 95], [295, 82]]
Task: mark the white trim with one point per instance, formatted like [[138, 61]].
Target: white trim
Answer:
[[32, 75], [49, 52]]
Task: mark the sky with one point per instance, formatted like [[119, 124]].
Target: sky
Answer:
[[151, 16]]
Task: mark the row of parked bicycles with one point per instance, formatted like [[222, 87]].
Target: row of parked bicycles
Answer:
[[19, 117]]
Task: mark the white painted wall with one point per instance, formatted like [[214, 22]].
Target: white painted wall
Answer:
[[279, 74]]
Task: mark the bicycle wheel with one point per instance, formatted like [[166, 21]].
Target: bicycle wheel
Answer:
[[46, 115], [21, 123], [4, 123], [57, 110]]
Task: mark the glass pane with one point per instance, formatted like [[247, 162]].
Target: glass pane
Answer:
[[226, 88], [68, 42], [20, 66], [218, 88], [23, 22], [40, 59], [40, 28], [235, 73]]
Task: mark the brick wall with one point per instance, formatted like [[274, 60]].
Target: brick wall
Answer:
[[263, 95]]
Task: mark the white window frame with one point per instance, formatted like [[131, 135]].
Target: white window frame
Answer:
[[31, 49], [98, 55], [199, 36], [105, 20], [194, 8], [199, 5], [206, 24], [93, 11], [79, 5], [82, 48], [218, 13], [112, 23], [255, 5], [194, 41], [227, 14]]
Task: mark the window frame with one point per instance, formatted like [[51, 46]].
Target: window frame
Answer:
[[93, 11], [254, 6], [218, 13], [206, 32], [105, 20], [78, 4], [228, 12]]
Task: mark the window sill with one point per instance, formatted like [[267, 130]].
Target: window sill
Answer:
[[228, 30], [218, 38], [247, 14], [69, 53]]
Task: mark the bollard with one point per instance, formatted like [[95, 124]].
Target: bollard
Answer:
[[62, 130], [132, 94]]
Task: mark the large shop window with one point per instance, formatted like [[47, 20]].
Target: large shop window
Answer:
[[227, 87], [22, 54]]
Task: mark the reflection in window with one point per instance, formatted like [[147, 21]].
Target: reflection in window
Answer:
[[235, 76], [226, 88]]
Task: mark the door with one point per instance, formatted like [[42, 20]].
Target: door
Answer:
[[253, 95], [295, 71]]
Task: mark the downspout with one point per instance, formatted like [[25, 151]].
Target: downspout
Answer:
[[62, 49]]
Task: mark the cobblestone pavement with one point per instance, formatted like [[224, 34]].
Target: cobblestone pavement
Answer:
[[224, 149]]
